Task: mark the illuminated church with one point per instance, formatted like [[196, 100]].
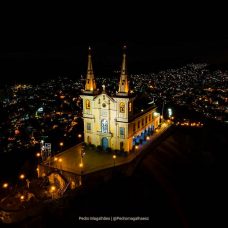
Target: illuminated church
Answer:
[[114, 122]]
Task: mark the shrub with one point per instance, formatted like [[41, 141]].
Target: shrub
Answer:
[[108, 150], [125, 153], [117, 152], [99, 148]]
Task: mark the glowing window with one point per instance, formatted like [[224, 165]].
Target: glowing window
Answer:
[[122, 107], [104, 126], [87, 104]]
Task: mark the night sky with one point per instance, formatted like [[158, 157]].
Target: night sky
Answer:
[[37, 44]]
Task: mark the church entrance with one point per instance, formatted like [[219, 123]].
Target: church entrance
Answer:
[[104, 143]]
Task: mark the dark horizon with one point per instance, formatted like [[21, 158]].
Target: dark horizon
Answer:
[[24, 63], [36, 45]]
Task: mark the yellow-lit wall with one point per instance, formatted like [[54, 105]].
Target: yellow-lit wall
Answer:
[[108, 108]]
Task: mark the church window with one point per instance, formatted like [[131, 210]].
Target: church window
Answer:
[[104, 126], [99, 101], [122, 107], [122, 132], [88, 126], [146, 119], [138, 124], [103, 97], [87, 104], [149, 117], [133, 127], [142, 122]]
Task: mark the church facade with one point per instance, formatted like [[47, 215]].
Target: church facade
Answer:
[[111, 122]]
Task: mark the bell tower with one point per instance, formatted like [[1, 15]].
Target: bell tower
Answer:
[[88, 95], [90, 85], [124, 105], [123, 83]]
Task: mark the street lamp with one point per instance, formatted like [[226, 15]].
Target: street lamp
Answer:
[[52, 190], [147, 138], [61, 145], [136, 149], [38, 154], [60, 162], [22, 176], [114, 159], [79, 136], [5, 185]]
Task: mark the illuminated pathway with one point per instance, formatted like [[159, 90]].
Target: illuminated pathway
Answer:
[[70, 159]]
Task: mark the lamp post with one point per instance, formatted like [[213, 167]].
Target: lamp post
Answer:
[[114, 160], [136, 149], [22, 176], [38, 155], [52, 190], [81, 166], [60, 163], [79, 136], [5, 185], [61, 145]]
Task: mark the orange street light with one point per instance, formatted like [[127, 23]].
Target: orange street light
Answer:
[[136, 147], [53, 188], [55, 159], [61, 145], [22, 198], [60, 160], [114, 158], [5, 185], [38, 155], [22, 176], [81, 165]]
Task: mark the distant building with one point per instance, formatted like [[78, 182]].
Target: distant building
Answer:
[[117, 122]]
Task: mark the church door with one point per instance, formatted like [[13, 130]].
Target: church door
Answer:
[[104, 143]]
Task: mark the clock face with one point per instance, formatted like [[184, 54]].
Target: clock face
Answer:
[[103, 105]]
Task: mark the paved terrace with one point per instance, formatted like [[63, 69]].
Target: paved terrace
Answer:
[[69, 160]]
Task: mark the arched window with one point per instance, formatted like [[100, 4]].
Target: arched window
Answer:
[[87, 104], [122, 107], [104, 126]]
